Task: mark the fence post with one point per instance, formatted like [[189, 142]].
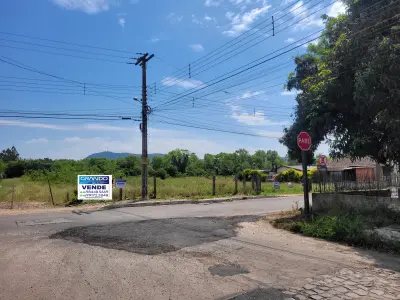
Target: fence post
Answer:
[[155, 187], [213, 186], [253, 183], [67, 197], [12, 196], [51, 193], [120, 193], [258, 184], [236, 185]]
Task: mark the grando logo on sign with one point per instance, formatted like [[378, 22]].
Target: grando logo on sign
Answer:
[[95, 187]]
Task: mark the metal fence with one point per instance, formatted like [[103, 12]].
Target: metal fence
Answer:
[[324, 182]]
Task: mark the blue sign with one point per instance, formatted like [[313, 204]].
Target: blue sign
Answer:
[[120, 183], [102, 179]]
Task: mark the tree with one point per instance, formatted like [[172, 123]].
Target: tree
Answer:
[[179, 159], [8, 155], [349, 85]]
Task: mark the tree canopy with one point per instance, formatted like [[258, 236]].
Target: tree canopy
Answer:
[[349, 85], [9, 154], [178, 162]]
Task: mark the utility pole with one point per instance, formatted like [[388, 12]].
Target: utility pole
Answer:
[[142, 61]]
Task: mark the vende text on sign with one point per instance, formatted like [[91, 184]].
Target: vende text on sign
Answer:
[[94, 187]]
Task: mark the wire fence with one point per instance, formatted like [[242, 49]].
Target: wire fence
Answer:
[[334, 182]]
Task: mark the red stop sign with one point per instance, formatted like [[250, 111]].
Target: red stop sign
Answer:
[[304, 141]]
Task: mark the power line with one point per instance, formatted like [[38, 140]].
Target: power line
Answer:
[[62, 42], [210, 83], [215, 129], [63, 54]]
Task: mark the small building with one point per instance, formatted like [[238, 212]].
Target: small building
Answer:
[[360, 170]]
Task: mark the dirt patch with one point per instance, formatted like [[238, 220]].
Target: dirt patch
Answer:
[[153, 237], [227, 270]]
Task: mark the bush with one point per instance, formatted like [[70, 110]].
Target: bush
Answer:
[[290, 175], [247, 174], [160, 173]]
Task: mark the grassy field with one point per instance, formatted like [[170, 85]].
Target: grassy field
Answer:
[[170, 188]]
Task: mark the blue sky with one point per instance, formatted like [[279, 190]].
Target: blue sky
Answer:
[[179, 33]]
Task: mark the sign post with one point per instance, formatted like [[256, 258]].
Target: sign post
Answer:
[[304, 143]]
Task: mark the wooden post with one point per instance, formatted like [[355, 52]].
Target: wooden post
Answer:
[[253, 183], [213, 186], [67, 197], [236, 186], [51, 193], [120, 195], [12, 196], [258, 184], [155, 187]]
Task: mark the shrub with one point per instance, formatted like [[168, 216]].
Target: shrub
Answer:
[[290, 175], [160, 173], [247, 174]]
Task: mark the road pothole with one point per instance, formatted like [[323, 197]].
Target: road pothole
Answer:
[[227, 270], [156, 236]]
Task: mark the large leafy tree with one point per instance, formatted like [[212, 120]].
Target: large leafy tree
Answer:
[[349, 84], [9, 154]]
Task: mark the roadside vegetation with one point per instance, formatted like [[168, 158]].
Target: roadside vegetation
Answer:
[[26, 190], [180, 175], [350, 227]]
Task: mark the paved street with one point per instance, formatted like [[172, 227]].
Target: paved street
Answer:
[[217, 251]]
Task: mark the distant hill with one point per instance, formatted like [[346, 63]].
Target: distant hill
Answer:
[[113, 155]]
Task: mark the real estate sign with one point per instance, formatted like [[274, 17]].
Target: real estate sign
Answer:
[[94, 187]]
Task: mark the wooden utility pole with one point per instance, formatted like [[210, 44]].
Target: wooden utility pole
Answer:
[[142, 61]]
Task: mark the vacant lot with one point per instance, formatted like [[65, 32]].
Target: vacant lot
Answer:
[[170, 188]]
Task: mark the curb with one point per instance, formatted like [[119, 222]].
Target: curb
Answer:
[[176, 202]]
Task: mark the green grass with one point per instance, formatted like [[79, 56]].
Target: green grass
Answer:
[[170, 188], [353, 228]]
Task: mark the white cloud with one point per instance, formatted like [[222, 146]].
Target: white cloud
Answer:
[[240, 2], [214, 3], [287, 2], [174, 18], [257, 119], [121, 22], [78, 127], [289, 40], [187, 84], [229, 15], [242, 22], [207, 18], [273, 134], [197, 47], [251, 94], [156, 39], [306, 18], [195, 20], [336, 9], [37, 141], [160, 141], [11, 123], [289, 93], [87, 6]]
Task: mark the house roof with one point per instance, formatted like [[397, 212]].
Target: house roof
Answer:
[[347, 163], [298, 167]]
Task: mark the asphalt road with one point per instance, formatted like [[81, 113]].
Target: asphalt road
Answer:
[[54, 220], [222, 251]]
